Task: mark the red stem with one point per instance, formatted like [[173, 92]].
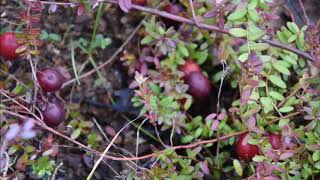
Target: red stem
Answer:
[[212, 28]]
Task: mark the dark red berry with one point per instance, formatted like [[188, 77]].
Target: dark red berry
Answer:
[[8, 46], [53, 113], [190, 66], [275, 140], [139, 2], [175, 10], [49, 79], [245, 150], [199, 85]]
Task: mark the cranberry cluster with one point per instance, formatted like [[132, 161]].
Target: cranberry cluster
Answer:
[[50, 81], [247, 151]]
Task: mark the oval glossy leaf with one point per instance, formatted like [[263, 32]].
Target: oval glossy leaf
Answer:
[[237, 166], [267, 104], [276, 95], [279, 66], [238, 32], [286, 109], [276, 80], [237, 15]]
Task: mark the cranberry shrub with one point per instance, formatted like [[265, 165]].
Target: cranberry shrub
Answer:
[[230, 94]]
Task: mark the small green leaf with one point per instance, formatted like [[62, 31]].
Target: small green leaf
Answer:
[[282, 37], [316, 156], [187, 139], [317, 165], [19, 89], [147, 39], [300, 41], [237, 15], [161, 30], [76, 133], [276, 80], [286, 109], [198, 132], [253, 15], [44, 35], [265, 58], [237, 166], [278, 65], [258, 158], [283, 122], [243, 57], [166, 102], [253, 4], [183, 50], [292, 38], [293, 27], [238, 32], [276, 95], [254, 33], [267, 104], [259, 46], [289, 59], [54, 37]]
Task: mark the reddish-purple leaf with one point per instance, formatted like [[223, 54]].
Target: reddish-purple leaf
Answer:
[[309, 117], [221, 116], [80, 9], [286, 155], [252, 82], [215, 125], [234, 109], [245, 96], [307, 110], [171, 43], [211, 116], [272, 154], [271, 178], [314, 147], [251, 122], [125, 5], [271, 17], [275, 167], [204, 167], [110, 131]]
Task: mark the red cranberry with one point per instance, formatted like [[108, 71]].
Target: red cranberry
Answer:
[[53, 113], [190, 66], [275, 140], [139, 2], [49, 79], [175, 10], [245, 150], [8, 46], [199, 85]]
